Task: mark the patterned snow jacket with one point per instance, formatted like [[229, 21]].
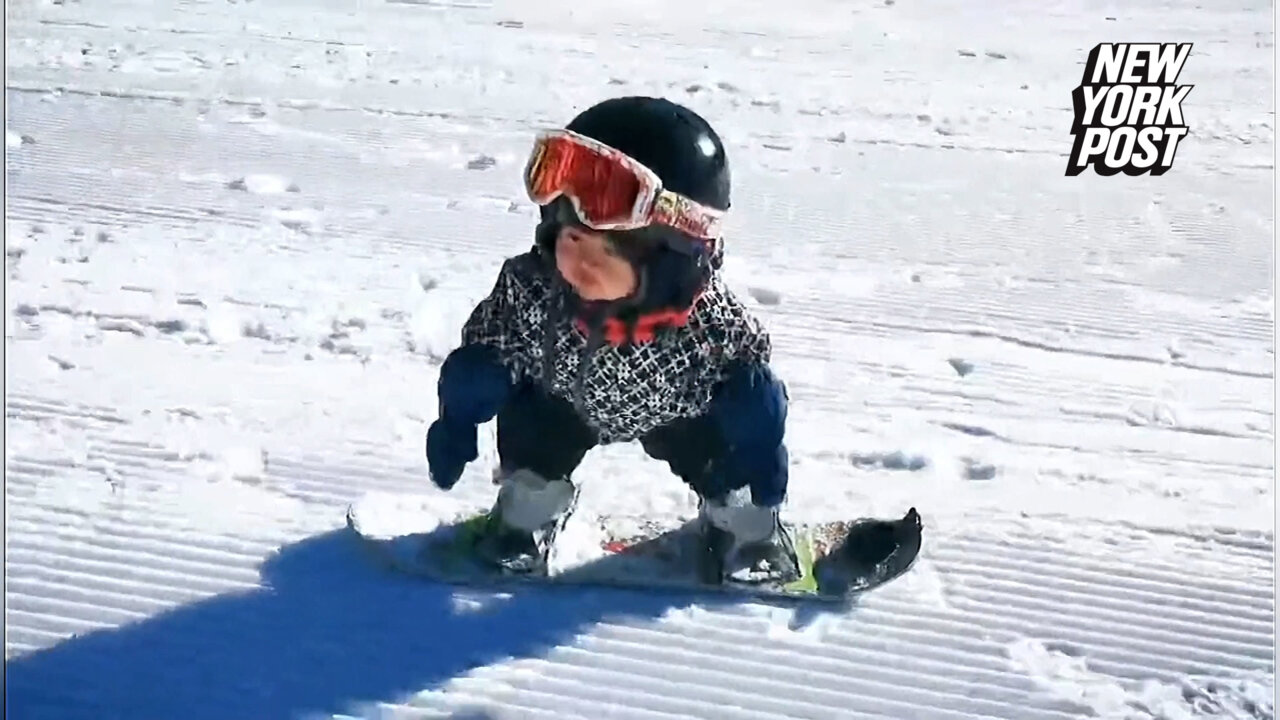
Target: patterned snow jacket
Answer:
[[712, 360]]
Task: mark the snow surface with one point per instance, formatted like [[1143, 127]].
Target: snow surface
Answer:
[[241, 236]]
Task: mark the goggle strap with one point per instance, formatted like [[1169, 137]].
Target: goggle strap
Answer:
[[687, 216]]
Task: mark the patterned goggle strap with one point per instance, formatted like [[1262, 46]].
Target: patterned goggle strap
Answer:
[[610, 190]]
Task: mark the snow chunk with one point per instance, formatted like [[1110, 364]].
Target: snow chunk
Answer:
[[432, 331], [243, 463], [222, 324], [263, 184], [390, 515]]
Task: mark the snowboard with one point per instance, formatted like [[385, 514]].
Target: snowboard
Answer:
[[840, 560]]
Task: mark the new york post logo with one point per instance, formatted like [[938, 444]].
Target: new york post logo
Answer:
[[1129, 109]]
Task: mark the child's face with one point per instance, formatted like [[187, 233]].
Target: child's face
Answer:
[[585, 262]]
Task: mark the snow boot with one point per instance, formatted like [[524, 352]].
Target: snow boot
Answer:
[[520, 530], [745, 543]]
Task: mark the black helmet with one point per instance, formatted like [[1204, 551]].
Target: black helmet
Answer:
[[688, 156], [670, 139]]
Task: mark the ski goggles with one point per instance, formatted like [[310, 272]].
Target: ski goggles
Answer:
[[609, 189]]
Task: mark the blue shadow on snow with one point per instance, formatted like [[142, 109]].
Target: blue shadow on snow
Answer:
[[329, 630]]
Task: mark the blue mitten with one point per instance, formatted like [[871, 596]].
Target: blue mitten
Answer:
[[450, 446], [474, 385]]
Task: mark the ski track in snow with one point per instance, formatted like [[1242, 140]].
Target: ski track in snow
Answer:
[[241, 237]]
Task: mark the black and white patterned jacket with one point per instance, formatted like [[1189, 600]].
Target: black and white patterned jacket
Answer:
[[623, 390]]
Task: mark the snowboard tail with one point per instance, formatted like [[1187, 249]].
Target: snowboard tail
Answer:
[[839, 560]]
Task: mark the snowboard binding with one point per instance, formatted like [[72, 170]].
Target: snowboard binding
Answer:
[[745, 544], [518, 535]]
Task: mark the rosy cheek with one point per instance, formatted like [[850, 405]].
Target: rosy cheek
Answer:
[[565, 256], [570, 266]]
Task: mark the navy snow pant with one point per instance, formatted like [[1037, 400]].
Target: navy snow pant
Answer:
[[544, 433]]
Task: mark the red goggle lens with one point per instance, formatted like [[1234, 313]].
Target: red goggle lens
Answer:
[[605, 190]]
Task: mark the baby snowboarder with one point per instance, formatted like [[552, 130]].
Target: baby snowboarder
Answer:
[[617, 326]]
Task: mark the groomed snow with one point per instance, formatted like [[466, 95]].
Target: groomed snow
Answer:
[[241, 236]]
